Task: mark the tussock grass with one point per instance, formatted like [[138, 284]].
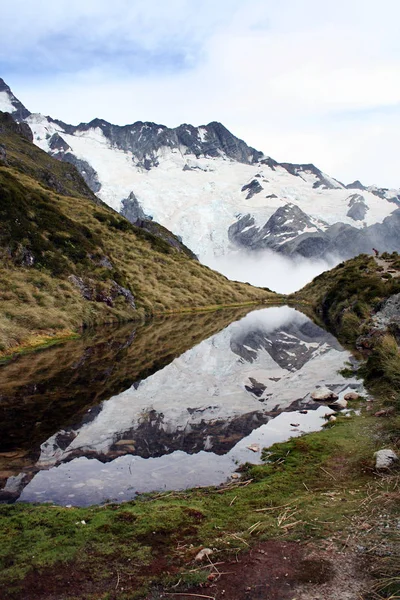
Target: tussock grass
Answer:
[[52, 227]]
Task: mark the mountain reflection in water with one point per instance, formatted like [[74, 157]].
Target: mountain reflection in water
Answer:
[[105, 418]]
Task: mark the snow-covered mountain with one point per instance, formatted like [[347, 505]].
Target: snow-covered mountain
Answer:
[[214, 191]]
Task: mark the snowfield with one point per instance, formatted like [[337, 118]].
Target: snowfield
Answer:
[[198, 198]]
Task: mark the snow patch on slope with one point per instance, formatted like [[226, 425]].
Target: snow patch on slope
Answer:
[[5, 103]]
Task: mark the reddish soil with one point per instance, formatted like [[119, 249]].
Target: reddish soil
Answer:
[[282, 571]]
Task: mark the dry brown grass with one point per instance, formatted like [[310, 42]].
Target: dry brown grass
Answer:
[[36, 305]]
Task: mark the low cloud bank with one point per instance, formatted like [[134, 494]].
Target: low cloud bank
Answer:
[[269, 269]]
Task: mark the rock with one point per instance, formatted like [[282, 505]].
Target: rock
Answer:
[[85, 290], [385, 458], [303, 412], [131, 209], [254, 447], [252, 188], [357, 207], [323, 394], [385, 412], [235, 476], [389, 313], [118, 290], [3, 153], [339, 404], [203, 554], [58, 144], [85, 169], [351, 396], [332, 419], [102, 261], [294, 424]]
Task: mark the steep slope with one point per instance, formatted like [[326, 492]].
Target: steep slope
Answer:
[[217, 193], [348, 296], [359, 301], [69, 260]]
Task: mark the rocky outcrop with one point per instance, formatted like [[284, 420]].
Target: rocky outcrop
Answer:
[[8, 124], [286, 224], [19, 112], [388, 314], [357, 207], [292, 232], [85, 169], [132, 210], [90, 290], [252, 188], [356, 185], [3, 154], [58, 144], [321, 180]]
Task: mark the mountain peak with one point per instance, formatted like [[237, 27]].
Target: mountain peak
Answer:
[[10, 104]]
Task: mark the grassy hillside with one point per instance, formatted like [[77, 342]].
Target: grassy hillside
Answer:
[[346, 299], [347, 296], [67, 260]]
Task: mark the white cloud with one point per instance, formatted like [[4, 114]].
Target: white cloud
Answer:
[[265, 268], [302, 81]]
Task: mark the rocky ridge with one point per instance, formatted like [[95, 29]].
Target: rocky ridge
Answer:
[[237, 197]]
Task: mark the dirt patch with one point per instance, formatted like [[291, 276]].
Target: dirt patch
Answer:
[[278, 570]]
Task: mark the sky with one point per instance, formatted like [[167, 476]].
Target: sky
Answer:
[[302, 80]]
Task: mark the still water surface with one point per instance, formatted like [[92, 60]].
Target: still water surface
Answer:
[[175, 404]]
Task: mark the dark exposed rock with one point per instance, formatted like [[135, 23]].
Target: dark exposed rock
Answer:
[[322, 181], [131, 209], [3, 154], [257, 388], [253, 188], [164, 234], [102, 261], [90, 291], [20, 111], [357, 207], [356, 185], [287, 223], [84, 288], [7, 123], [58, 144], [85, 169], [28, 258], [118, 290], [144, 139], [269, 162], [242, 231]]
